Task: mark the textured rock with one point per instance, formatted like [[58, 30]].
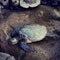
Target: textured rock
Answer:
[[4, 56], [4, 2]]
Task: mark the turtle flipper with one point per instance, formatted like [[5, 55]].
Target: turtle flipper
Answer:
[[14, 33], [24, 46]]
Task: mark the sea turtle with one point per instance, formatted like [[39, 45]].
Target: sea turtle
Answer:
[[27, 34]]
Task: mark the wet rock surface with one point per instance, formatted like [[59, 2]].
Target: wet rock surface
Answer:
[[47, 49], [4, 56]]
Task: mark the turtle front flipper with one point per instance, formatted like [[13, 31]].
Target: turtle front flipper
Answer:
[[15, 33], [23, 45]]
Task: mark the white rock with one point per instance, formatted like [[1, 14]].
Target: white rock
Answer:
[[57, 13], [28, 3], [4, 2], [15, 2]]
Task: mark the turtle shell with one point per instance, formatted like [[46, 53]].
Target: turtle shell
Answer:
[[34, 32], [29, 3]]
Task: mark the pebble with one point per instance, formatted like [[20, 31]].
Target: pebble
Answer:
[[5, 56]]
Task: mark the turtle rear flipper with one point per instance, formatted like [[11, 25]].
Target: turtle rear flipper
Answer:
[[23, 45]]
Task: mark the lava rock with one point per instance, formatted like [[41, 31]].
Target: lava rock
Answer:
[[4, 56]]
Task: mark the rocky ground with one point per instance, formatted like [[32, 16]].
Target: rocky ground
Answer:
[[47, 49]]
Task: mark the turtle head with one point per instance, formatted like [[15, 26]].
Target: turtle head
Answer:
[[12, 41]]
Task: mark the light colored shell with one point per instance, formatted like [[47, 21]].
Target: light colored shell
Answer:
[[26, 4], [34, 32]]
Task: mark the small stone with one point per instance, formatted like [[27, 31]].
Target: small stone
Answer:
[[4, 2], [15, 2], [5, 56]]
